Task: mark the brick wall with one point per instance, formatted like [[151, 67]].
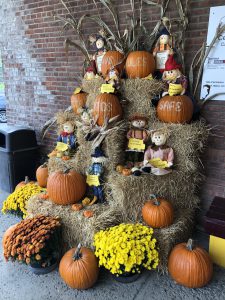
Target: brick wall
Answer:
[[40, 77]]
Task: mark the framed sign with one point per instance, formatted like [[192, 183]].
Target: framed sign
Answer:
[[213, 80]]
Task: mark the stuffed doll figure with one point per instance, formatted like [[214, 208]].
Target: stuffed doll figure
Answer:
[[137, 137], [95, 175], [158, 158], [113, 78], [176, 82], [100, 44], [163, 49]]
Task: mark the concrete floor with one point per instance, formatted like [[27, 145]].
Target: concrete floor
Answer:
[[18, 283]]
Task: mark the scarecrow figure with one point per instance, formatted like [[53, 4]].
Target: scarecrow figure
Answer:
[[177, 83], [90, 72], [137, 137], [113, 78], [158, 158], [66, 141], [95, 175], [163, 49], [100, 44]]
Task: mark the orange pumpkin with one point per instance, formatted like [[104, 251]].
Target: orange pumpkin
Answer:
[[7, 233], [106, 106], [77, 207], [175, 109], [79, 268], [88, 213], [42, 175], [44, 196], [23, 183], [66, 187], [126, 172], [111, 59], [78, 101], [158, 212], [139, 64], [189, 265]]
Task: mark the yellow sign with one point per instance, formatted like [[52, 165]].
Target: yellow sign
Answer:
[[61, 146], [77, 90], [216, 250], [136, 144], [107, 88], [93, 180], [158, 163], [175, 89]]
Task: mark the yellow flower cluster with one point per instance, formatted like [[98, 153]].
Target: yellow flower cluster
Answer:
[[16, 202], [126, 248]]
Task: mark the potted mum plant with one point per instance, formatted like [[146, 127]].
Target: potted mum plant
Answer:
[[125, 250], [35, 241]]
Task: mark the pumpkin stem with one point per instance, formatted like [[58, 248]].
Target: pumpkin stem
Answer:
[[190, 245], [44, 165], [66, 171], [156, 201], [26, 179], [77, 253]]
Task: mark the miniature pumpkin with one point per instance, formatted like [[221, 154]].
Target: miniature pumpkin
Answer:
[[7, 233], [44, 196], [126, 172], [66, 187], [119, 168], [190, 265], [175, 109], [157, 212], [139, 64], [77, 207], [106, 106], [42, 175], [88, 213], [78, 101], [66, 157], [79, 268], [23, 183], [111, 59]]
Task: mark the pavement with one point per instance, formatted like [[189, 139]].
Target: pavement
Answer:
[[18, 283]]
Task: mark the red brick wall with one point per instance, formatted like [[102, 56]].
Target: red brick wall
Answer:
[[40, 77]]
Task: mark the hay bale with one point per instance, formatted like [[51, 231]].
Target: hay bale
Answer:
[[92, 87], [77, 228]]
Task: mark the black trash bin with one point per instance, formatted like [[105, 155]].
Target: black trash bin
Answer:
[[18, 155]]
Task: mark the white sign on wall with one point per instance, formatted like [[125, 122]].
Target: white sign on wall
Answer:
[[213, 80]]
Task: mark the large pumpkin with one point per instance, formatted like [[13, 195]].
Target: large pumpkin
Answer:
[[139, 64], [23, 183], [190, 266], [79, 268], [78, 101], [7, 233], [42, 175], [66, 187], [175, 109], [106, 106], [111, 59], [158, 212]]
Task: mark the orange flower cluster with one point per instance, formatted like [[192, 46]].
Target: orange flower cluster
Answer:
[[29, 237]]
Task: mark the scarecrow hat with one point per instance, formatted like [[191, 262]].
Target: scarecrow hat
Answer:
[[164, 31], [98, 153], [138, 117], [171, 64]]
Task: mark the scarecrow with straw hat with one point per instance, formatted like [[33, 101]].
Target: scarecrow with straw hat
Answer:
[[137, 137]]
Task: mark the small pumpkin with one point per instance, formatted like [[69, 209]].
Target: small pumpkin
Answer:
[[7, 233], [79, 268], [119, 168], [175, 109], [111, 59], [66, 157], [77, 207], [78, 101], [23, 183], [158, 212], [126, 172], [190, 265], [44, 196], [42, 175], [88, 213], [66, 187], [139, 64], [106, 106]]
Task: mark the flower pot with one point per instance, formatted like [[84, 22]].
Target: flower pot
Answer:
[[37, 270], [127, 277]]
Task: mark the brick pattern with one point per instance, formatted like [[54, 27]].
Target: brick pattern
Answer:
[[40, 77]]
